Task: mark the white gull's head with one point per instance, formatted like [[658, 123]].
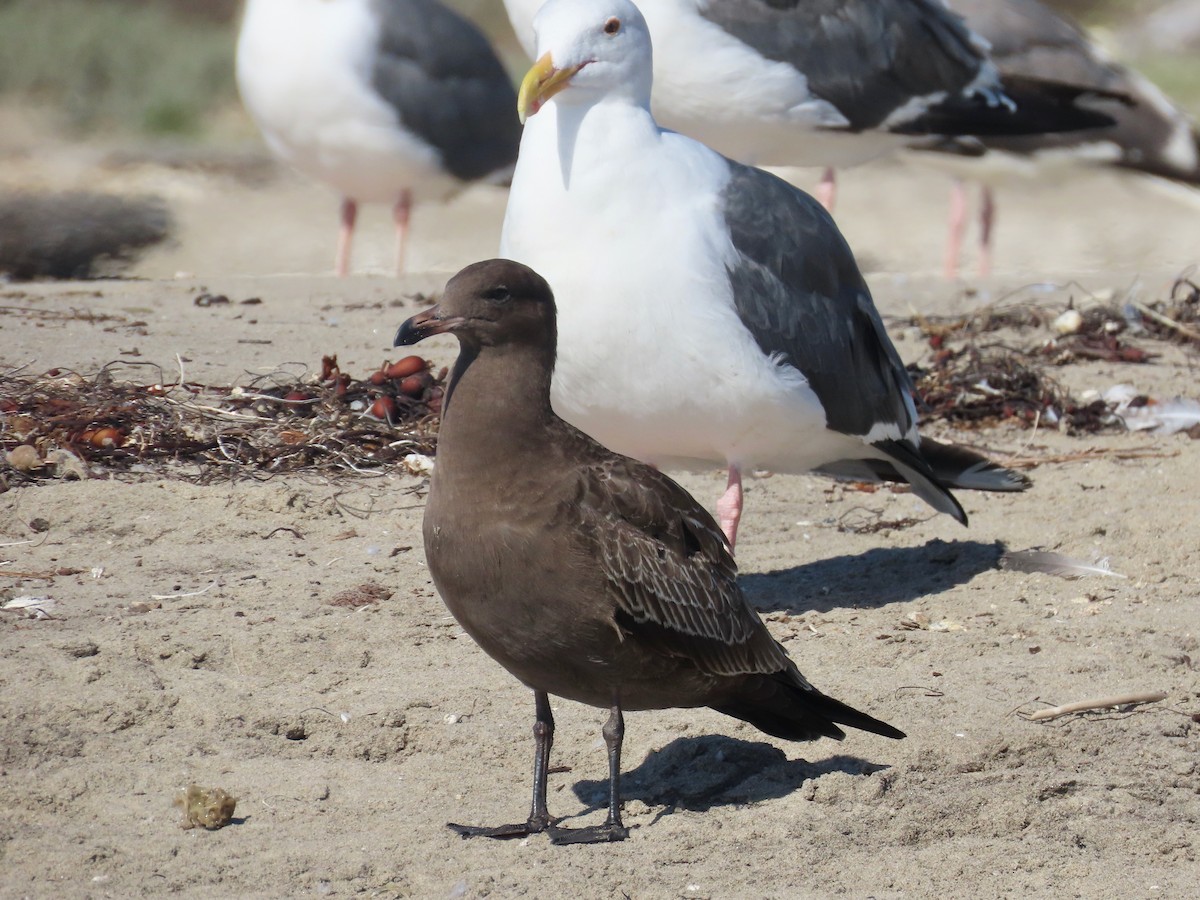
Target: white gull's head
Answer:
[[588, 51]]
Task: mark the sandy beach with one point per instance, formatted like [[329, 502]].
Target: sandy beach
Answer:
[[194, 639]]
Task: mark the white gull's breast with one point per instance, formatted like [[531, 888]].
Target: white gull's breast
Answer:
[[653, 360]]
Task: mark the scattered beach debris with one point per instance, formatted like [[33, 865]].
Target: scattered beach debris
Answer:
[[974, 378], [364, 595], [1050, 563], [922, 622], [863, 520], [1122, 702], [1142, 413], [182, 594], [972, 387], [30, 607], [209, 808]]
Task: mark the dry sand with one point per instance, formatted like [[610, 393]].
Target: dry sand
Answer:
[[351, 736]]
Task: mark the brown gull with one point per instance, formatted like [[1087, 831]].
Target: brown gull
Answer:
[[586, 574]]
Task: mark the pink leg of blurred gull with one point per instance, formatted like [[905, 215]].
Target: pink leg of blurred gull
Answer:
[[341, 261], [401, 213], [957, 228], [987, 222], [827, 189]]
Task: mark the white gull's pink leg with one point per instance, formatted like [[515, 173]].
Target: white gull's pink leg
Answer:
[[341, 260], [827, 189], [957, 228], [729, 507], [401, 213]]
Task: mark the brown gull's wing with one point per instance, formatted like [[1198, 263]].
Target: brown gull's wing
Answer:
[[670, 571]]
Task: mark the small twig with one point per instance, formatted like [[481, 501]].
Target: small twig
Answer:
[[928, 691], [1103, 703], [274, 531], [1032, 462], [1165, 321], [211, 585]]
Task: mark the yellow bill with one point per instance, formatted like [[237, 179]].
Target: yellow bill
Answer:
[[541, 83]]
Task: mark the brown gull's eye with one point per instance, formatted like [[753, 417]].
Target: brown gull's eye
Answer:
[[612, 26]]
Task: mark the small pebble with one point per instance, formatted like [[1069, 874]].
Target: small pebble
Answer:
[[24, 458], [1068, 322]]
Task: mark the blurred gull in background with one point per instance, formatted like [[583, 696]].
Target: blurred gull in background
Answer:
[[388, 101], [1150, 134], [828, 83]]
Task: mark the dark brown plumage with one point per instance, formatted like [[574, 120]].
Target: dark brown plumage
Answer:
[[586, 574]]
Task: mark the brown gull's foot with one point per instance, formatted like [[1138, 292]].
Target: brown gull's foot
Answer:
[[502, 832]]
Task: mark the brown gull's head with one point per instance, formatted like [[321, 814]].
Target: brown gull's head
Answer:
[[489, 303]]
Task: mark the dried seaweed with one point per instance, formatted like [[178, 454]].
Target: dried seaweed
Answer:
[[971, 383], [283, 422], [1086, 330], [974, 386]]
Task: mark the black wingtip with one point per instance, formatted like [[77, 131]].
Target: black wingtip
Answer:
[[785, 706], [958, 467]]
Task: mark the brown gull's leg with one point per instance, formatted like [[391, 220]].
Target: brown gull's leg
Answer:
[[341, 260], [539, 817], [612, 830]]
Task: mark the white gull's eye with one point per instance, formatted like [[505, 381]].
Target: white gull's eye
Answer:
[[612, 26]]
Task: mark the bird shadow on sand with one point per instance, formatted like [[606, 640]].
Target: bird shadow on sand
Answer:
[[699, 773], [876, 578]]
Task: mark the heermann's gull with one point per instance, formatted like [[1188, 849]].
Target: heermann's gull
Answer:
[[587, 575], [711, 313], [388, 101], [827, 83], [1150, 135]]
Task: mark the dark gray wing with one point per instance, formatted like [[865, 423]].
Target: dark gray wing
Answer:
[[1033, 42], [871, 58], [670, 571], [1027, 38], [798, 291], [445, 82], [866, 57]]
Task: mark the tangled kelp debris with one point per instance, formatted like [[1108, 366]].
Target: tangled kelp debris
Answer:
[[208, 808], [281, 422], [1176, 318], [975, 387], [1090, 328]]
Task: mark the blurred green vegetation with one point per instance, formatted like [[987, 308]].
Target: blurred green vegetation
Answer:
[[165, 67], [109, 65]]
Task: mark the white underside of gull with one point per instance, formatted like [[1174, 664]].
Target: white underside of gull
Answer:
[[304, 72], [624, 223]]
